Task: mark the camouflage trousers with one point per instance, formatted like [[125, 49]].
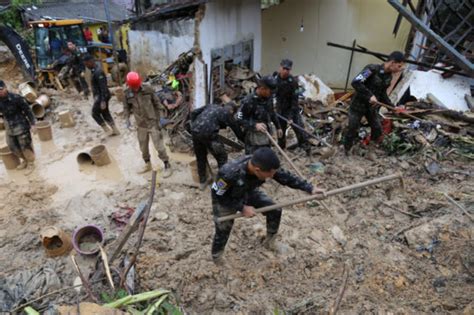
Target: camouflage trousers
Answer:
[[156, 136], [352, 131], [21, 146], [256, 199]]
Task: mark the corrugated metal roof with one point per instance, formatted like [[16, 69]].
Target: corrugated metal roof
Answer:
[[171, 9], [88, 11]]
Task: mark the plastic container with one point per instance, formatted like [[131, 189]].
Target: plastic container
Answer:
[[99, 155], [10, 160], [86, 239], [45, 133]]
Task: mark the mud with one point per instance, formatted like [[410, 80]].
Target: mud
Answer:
[[398, 263]]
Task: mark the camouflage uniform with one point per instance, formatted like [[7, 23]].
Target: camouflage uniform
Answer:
[[76, 69], [145, 106], [205, 124], [235, 187], [287, 106], [373, 80], [101, 93], [256, 109], [18, 119]]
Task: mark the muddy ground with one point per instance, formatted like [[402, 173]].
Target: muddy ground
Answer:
[[417, 262]]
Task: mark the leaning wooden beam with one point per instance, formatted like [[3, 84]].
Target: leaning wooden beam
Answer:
[[460, 60], [385, 57]]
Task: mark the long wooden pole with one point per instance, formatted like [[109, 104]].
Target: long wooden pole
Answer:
[[287, 158], [316, 197]]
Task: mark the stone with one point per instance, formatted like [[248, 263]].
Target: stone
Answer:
[[338, 235], [161, 216], [422, 235]]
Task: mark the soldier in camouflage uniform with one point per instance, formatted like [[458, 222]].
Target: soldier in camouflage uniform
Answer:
[[76, 69], [19, 119], [371, 87], [205, 124], [101, 93], [141, 100], [256, 113], [287, 104], [236, 189]]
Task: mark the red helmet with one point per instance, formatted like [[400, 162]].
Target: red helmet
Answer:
[[134, 81]]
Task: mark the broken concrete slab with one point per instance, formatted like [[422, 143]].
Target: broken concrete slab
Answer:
[[449, 91], [315, 89]]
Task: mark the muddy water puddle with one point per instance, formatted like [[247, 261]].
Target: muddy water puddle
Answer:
[[57, 164]]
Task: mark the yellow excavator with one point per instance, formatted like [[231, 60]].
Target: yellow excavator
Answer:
[[51, 38]]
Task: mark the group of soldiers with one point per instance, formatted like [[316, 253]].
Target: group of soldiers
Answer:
[[235, 188]]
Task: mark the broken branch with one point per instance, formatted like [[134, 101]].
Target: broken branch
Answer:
[[106, 266], [85, 283], [454, 202], [342, 290]]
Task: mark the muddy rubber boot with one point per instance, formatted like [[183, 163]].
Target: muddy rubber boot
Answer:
[[145, 168], [218, 258], [115, 131], [106, 129], [270, 241], [167, 172], [203, 185], [23, 164]]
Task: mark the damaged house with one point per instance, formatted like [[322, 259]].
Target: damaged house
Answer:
[[218, 32]]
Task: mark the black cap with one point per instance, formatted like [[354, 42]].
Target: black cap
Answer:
[[396, 56], [266, 159], [2, 84], [88, 57], [267, 81], [286, 63]]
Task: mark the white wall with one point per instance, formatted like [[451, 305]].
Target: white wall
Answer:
[[370, 22], [229, 22], [153, 50]]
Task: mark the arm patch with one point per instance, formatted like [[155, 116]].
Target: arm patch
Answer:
[[220, 187], [364, 75]]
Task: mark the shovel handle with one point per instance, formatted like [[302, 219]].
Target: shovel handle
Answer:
[[333, 192]]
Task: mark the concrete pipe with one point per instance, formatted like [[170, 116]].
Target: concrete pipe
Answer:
[[84, 158], [38, 110], [100, 155], [10, 160], [43, 100], [28, 92], [55, 241], [66, 119], [45, 132]]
